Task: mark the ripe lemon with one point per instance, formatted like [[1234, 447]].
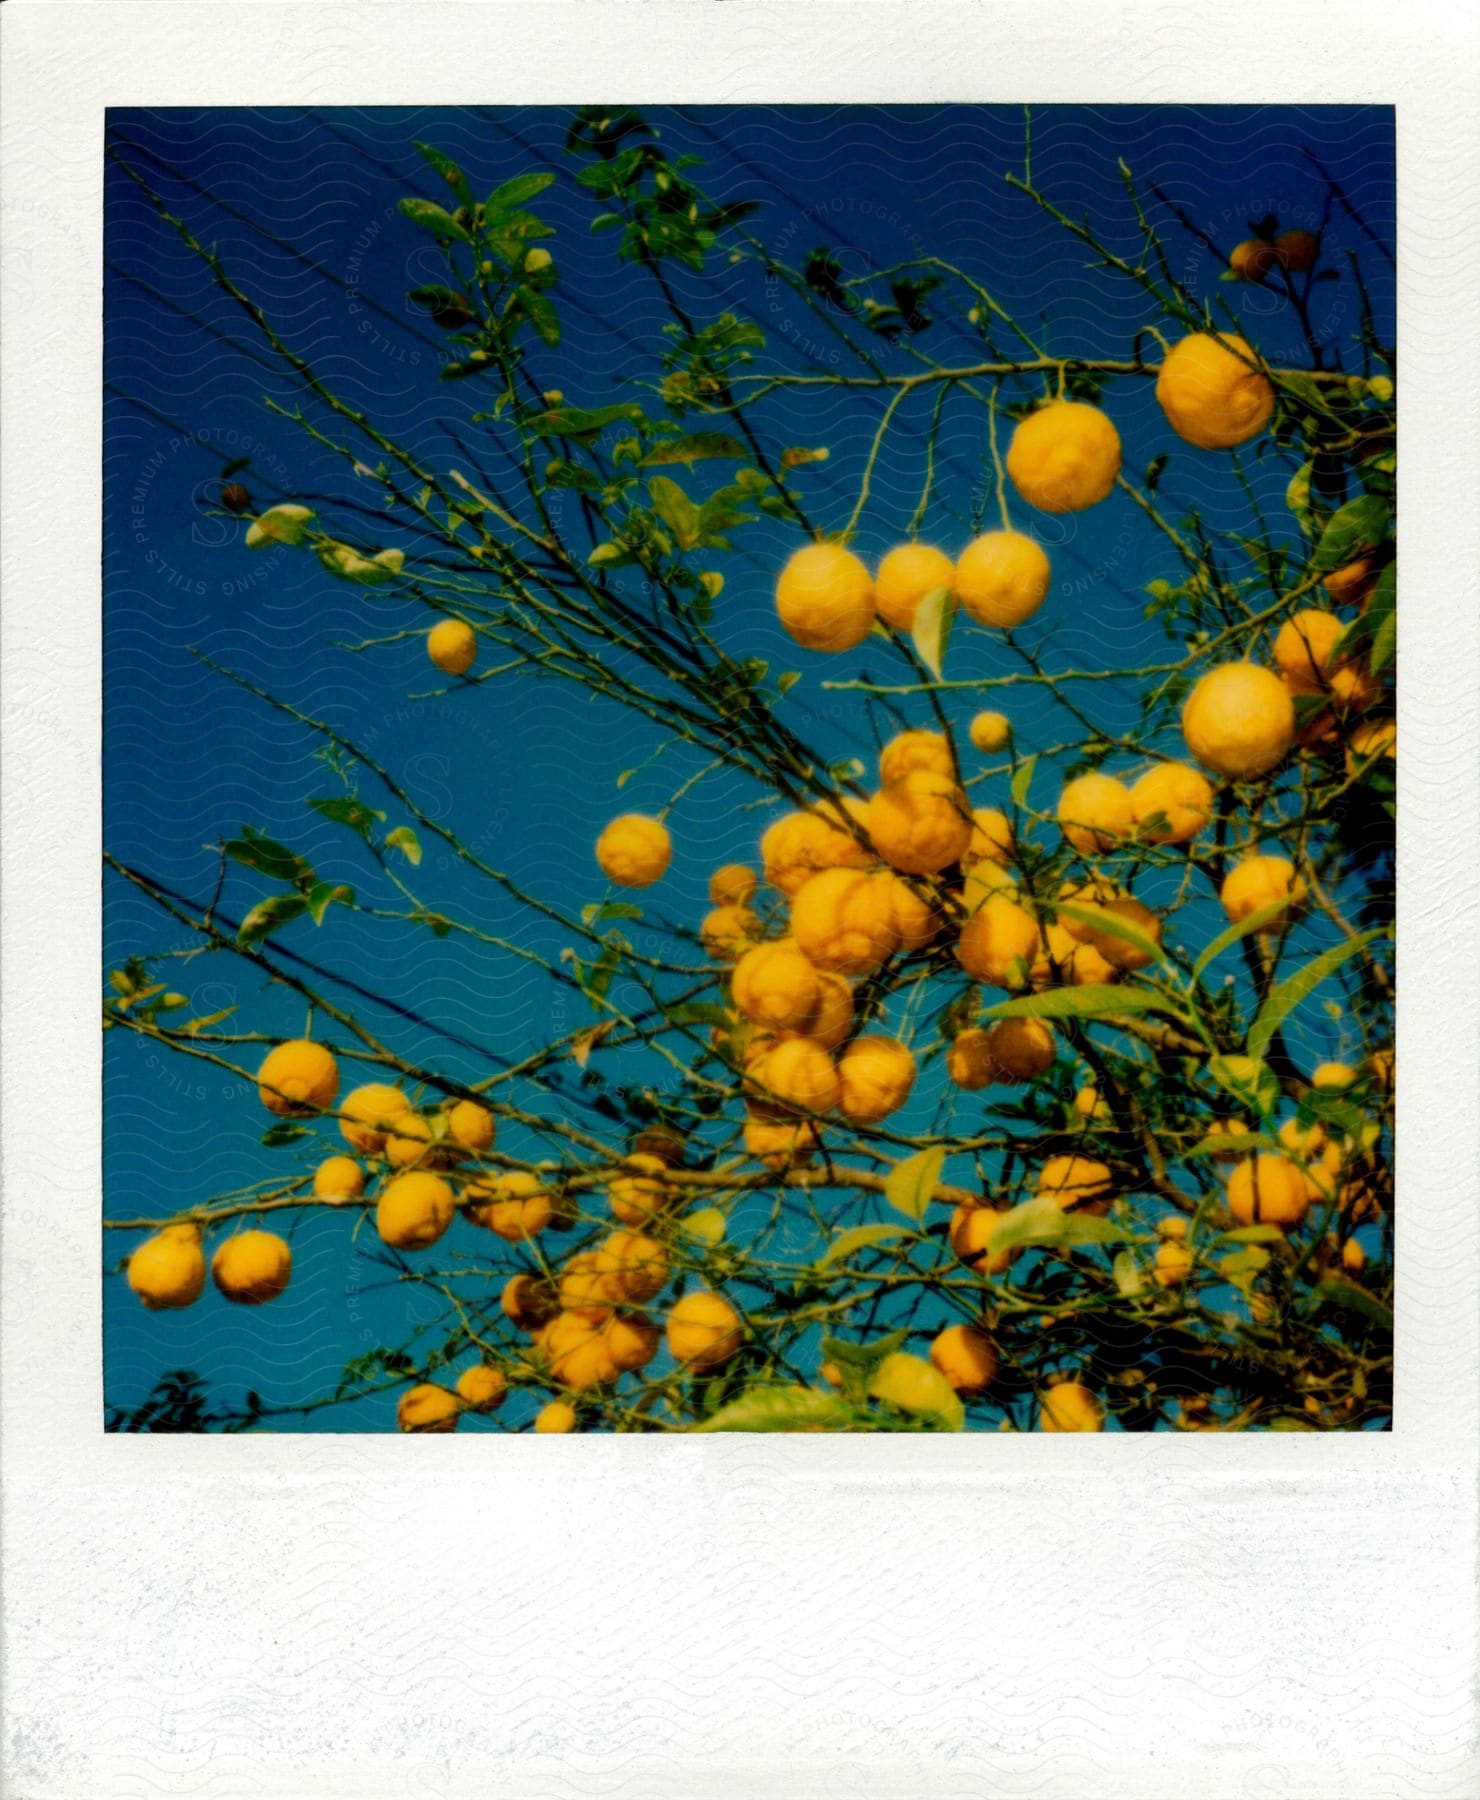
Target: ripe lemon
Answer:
[[728, 932], [453, 646], [1353, 582], [1334, 1076], [843, 920], [1371, 739], [528, 1303], [917, 919], [639, 1197], [1213, 392], [825, 598], [985, 881], [990, 731], [1002, 579], [584, 1296], [1301, 1141], [338, 1178], [471, 1126], [920, 823], [1353, 1257], [781, 1144], [916, 750], [802, 844], [415, 1141], [414, 1210], [631, 1342], [967, 1062], [634, 850], [991, 837], [1304, 650], [970, 1235], [1094, 811], [875, 1075], [298, 1077], [1092, 1106], [1120, 953], [1239, 720], [252, 1267], [516, 1207], [796, 1074], [1172, 1264], [1297, 251], [1253, 259], [427, 1407], [1077, 1181], [1064, 457], [365, 1117], [732, 885], [1070, 1407], [168, 1270], [1259, 881], [905, 576], [1019, 1050], [1171, 803], [581, 1358], [556, 1417], [967, 1358], [1268, 1190], [776, 985], [999, 944], [1064, 957], [482, 1388], [633, 1267], [703, 1331]]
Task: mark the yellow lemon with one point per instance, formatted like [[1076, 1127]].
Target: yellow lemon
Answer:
[[920, 823], [990, 731], [1268, 1190], [528, 1303], [1092, 1106], [471, 1126], [875, 1075], [1372, 739], [802, 844], [414, 1210], [1213, 392], [556, 1417], [1172, 1264], [916, 750], [1002, 579], [1064, 457], [991, 837], [825, 598], [1171, 803], [298, 1077], [967, 1358], [338, 1178], [631, 1342], [703, 1331], [1259, 881], [252, 1267], [728, 932], [453, 646], [1070, 1407], [482, 1388], [427, 1407], [732, 885], [168, 1270], [1304, 650], [365, 1117], [1253, 259], [796, 1073], [970, 1234], [781, 1144], [1094, 812], [905, 576], [776, 985], [634, 850], [1334, 1076], [1077, 1181], [1239, 720], [843, 920], [632, 1266], [1018, 1050], [917, 918], [999, 944], [516, 1207]]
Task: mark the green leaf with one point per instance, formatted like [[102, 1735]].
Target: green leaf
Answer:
[[1022, 780], [1336, 1290], [450, 173], [1093, 1001], [859, 1237], [609, 556], [404, 839], [676, 510], [1298, 499], [782, 1409], [516, 192], [918, 1387], [1127, 1274], [601, 912], [1226, 939], [267, 856], [909, 1184], [354, 813], [1254, 1234], [323, 894], [1360, 525], [1229, 1144], [285, 1133], [1384, 643], [692, 449], [1042, 1220], [540, 312], [1113, 926], [435, 219], [284, 524], [268, 915], [863, 1357], [578, 421], [930, 630], [1297, 987]]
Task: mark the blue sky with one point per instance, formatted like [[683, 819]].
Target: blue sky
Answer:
[[301, 209]]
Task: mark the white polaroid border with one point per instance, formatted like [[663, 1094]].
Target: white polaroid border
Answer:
[[1250, 1617]]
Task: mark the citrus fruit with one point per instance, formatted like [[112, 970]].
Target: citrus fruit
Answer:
[[1213, 392], [427, 1407], [776, 985], [802, 844], [905, 576], [1002, 578], [781, 1144], [633, 1267], [1253, 259], [1064, 457], [556, 1417], [365, 1116], [1070, 1406], [825, 598], [252, 1267], [920, 823], [999, 943], [796, 1074], [1094, 812], [168, 1270], [990, 731], [471, 1126], [516, 1207], [1297, 251], [916, 750], [1077, 1181], [1268, 1190], [991, 837], [728, 932], [338, 1178], [452, 645], [1260, 881], [1172, 1264], [298, 1077], [843, 920], [732, 885], [875, 1075], [414, 1210], [634, 850], [703, 1331], [970, 1235], [482, 1387], [1239, 720], [967, 1358], [1171, 803], [639, 1197]]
